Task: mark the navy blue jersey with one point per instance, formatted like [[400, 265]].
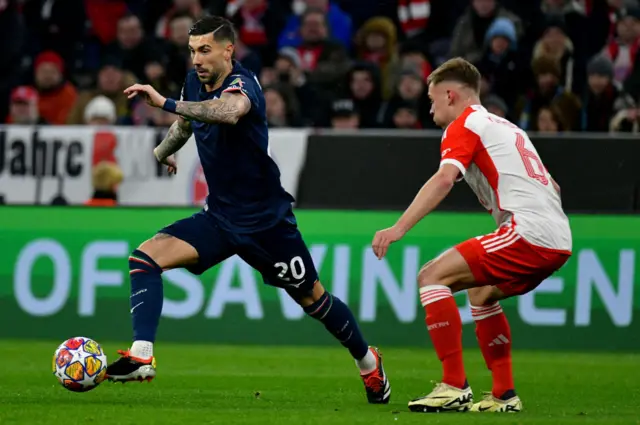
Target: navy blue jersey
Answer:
[[245, 194]]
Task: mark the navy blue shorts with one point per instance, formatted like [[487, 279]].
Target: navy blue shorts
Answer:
[[278, 253]]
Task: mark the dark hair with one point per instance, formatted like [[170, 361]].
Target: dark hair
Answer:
[[221, 28]]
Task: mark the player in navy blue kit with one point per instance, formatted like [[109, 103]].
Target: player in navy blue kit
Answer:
[[247, 213]]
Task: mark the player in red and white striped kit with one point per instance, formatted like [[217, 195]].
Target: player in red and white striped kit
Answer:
[[532, 241]]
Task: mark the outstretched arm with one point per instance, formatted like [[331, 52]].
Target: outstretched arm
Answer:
[[226, 110], [427, 199], [176, 137]]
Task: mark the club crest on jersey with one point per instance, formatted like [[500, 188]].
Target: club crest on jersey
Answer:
[[237, 82]]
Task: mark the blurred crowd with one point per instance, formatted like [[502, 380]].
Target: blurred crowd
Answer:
[[548, 65]]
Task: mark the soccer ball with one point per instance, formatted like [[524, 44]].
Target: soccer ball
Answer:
[[80, 364]]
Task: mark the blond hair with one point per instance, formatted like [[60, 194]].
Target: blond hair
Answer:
[[106, 175], [458, 70]]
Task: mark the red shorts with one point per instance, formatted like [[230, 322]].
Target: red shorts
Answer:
[[506, 260]]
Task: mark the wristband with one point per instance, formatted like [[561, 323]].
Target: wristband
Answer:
[[169, 105]]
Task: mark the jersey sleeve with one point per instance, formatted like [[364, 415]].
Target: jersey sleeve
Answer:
[[245, 85], [458, 147]]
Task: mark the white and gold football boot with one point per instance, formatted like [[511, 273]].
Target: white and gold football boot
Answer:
[[490, 403], [444, 398]]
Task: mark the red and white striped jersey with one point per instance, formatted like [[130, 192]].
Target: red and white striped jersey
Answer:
[[502, 167]]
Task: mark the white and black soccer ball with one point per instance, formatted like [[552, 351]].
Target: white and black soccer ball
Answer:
[[80, 364]]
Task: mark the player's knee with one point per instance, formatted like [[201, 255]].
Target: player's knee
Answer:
[[429, 275], [149, 248], [169, 252], [141, 262], [307, 298]]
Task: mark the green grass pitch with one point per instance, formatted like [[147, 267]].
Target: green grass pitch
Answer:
[[210, 384]]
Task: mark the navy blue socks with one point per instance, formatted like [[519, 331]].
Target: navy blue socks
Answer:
[[146, 295], [338, 319]]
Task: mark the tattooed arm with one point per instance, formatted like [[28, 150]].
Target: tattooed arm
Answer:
[[226, 110], [176, 137]]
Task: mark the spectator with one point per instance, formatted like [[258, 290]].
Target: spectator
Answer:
[[179, 56], [57, 25], [23, 109], [412, 55], [100, 111], [414, 16], [103, 16], [496, 105], [556, 46], [106, 178], [155, 74], [12, 38], [470, 32], [112, 80], [364, 90], [282, 106], [624, 49], [603, 97], [406, 116], [548, 92], [326, 62], [56, 95], [549, 120], [626, 121], [247, 57], [287, 70], [573, 15], [345, 115], [258, 23], [410, 88], [337, 20], [191, 8], [133, 48], [501, 74], [602, 20], [377, 43], [315, 45]]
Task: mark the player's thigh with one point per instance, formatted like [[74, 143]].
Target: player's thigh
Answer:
[[508, 264], [283, 259], [195, 243], [169, 252], [449, 269]]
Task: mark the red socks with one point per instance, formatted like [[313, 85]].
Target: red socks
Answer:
[[494, 338], [445, 328]]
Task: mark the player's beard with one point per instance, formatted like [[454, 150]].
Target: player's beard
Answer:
[[215, 75]]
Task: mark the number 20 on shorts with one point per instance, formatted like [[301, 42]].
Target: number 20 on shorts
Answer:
[[296, 265]]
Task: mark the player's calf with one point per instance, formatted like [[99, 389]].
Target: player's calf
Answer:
[[494, 338], [146, 306], [437, 280], [341, 323]]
